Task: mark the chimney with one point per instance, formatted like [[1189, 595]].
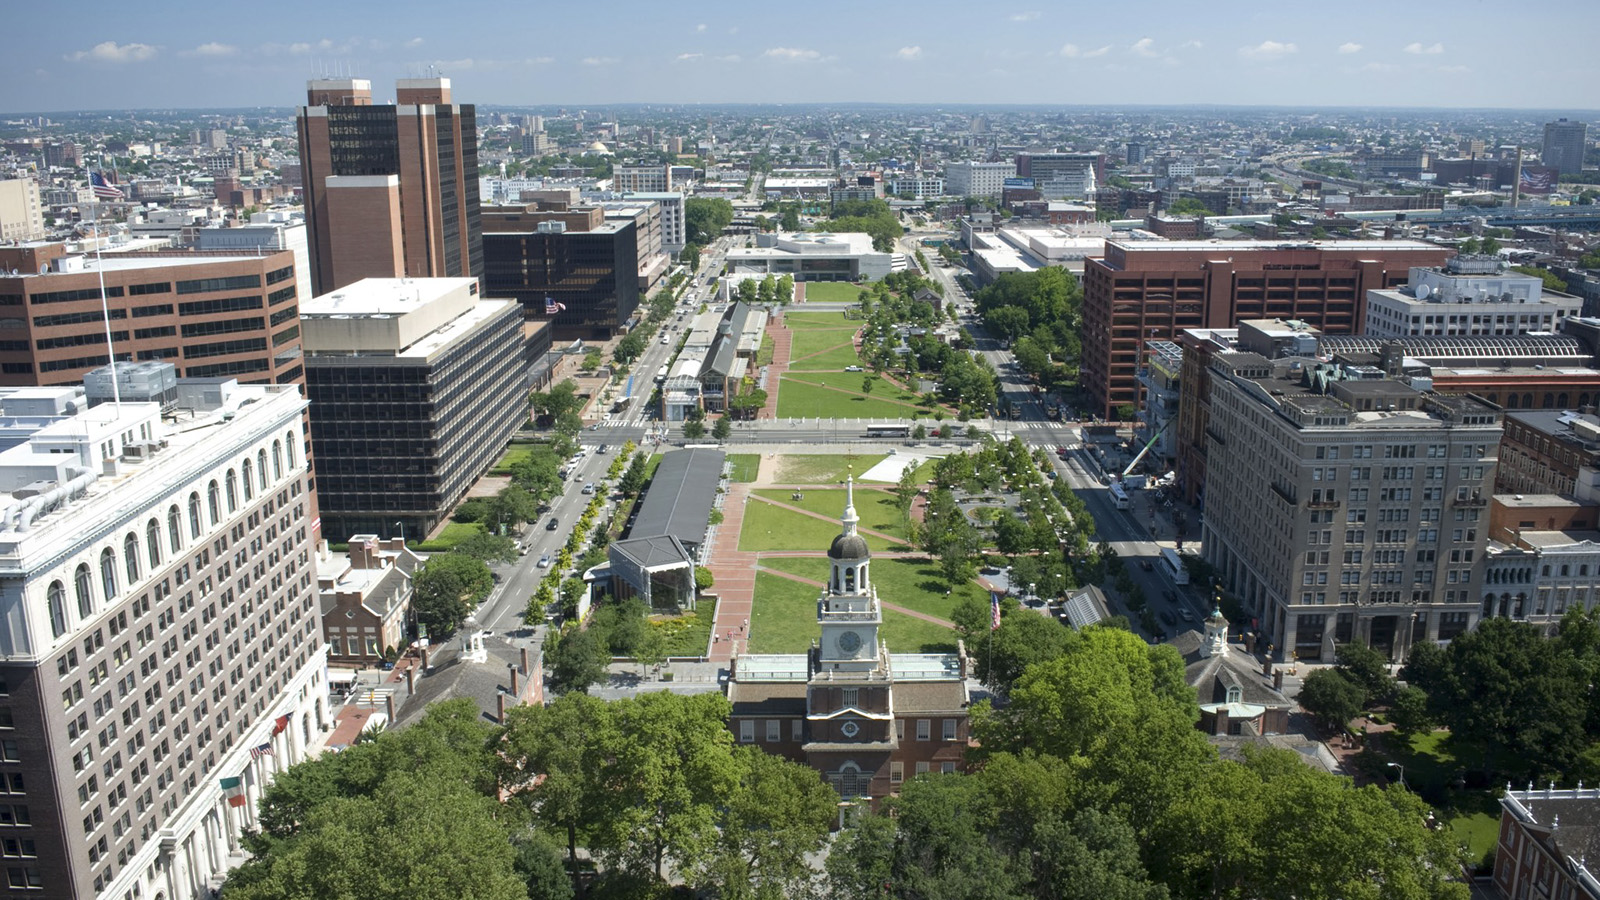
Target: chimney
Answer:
[[411, 680], [388, 705], [525, 669], [500, 707], [1266, 667], [1277, 680], [515, 681], [425, 666]]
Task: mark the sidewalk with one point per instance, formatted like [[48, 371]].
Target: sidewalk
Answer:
[[782, 350], [734, 578]]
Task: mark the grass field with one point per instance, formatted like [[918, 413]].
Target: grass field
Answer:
[[828, 361], [801, 400], [832, 292], [784, 620], [745, 466], [913, 583], [876, 508], [767, 527], [814, 340], [809, 468], [453, 534], [514, 454], [805, 321]]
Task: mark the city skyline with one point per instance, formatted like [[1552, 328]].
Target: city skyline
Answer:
[[197, 56]]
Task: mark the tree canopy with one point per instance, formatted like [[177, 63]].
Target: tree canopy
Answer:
[[446, 588]]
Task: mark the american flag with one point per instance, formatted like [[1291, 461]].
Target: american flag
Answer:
[[551, 307], [994, 611], [263, 750], [105, 188]]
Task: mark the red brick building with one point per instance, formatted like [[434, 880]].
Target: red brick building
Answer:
[[1546, 837], [865, 718], [1145, 290]]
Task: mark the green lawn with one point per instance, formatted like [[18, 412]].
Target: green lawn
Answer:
[[832, 292], [876, 508], [453, 534], [767, 527], [913, 583], [828, 361], [819, 468], [745, 466], [805, 397], [804, 321], [1479, 830], [514, 454], [814, 340], [784, 620]]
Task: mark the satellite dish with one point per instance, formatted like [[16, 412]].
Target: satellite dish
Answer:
[[1423, 290]]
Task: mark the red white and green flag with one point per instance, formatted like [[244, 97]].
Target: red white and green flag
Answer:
[[233, 788]]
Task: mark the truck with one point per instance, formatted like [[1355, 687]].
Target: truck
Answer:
[[661, 375]]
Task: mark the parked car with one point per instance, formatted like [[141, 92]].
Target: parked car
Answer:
[[852, 368], [544, 561]]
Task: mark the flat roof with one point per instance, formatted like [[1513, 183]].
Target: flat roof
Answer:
[[1264, 246], [681, 495], [381, 297]]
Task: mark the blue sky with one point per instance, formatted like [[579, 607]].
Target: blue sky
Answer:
[[223, 53]]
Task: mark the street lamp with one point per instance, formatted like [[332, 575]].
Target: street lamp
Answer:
[[402, 527], [1395, 765]]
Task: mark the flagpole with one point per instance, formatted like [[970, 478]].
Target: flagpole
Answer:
[[105, 309]]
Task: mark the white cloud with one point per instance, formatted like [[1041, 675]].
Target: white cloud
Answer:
[[730, 58], [113, 52], [1144, 47], [539, 60], [689, 57], [700, 27], [1379, 67], [458, 65], [212, 49], [600, 60], [1350, 47], [793, 54], [300, 48], [1455, 70], [414, 42], [908, 53], [1073, 51], [1416, 48], [1268, 50], [1191, 45], [1029, 16]]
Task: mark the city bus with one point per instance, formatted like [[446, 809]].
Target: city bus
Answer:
[[661, 375], [1172, 564], [888, 431], [1119, 495]]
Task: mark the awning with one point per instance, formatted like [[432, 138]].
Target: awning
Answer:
[[341, 676]]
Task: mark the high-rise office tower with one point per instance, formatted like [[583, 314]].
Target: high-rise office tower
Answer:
[[1564, 144], [392, 190], [160, 622]]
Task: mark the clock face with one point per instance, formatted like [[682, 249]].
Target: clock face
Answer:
[[849, 642], [849, 729]]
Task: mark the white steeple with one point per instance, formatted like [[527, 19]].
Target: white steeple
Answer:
[[850, 519], [1216, 643]]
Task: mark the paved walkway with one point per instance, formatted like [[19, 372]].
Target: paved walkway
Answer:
[[782, 350], [733, 573], [885, 604]]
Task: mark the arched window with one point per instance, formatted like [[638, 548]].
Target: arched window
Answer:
[[108, 573], [174, 528], [130, 557], [249, 487], [84, 586], [152, 536], [277, 461], [1546, 570], [1549, 400], [1234, 694], [232, 482], [212, 495], [261, 469], [58, 609], [1565, 570], [1527, 401], [1511, 400], [1561, 400], [194, 515], [288, 447]]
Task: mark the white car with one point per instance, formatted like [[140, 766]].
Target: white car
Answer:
[[852, 368], [544, 561]]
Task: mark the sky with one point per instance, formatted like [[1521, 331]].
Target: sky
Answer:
[[167, 54]]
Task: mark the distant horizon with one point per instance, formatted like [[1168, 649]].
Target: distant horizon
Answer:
[[1368, 54], [288, 109]]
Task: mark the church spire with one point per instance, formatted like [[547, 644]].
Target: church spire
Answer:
[[849, 519]]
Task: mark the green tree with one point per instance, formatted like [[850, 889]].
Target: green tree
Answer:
[[1332, 697], [777, 815], [1189, 206], [1093, 855], [723, 429], [550, 759], [705, 218], [867, 384], [1409, 711], [703, 579], [1368, 668], [488, 547], [694, 429], [515, 505], [632, 481], [537, 861], [574, 661], [629, 348], [445, 589]]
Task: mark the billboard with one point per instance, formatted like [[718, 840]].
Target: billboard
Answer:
[[1539, 179], [1022, 183]]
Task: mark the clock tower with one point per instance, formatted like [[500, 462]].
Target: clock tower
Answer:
[[848, 610]]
